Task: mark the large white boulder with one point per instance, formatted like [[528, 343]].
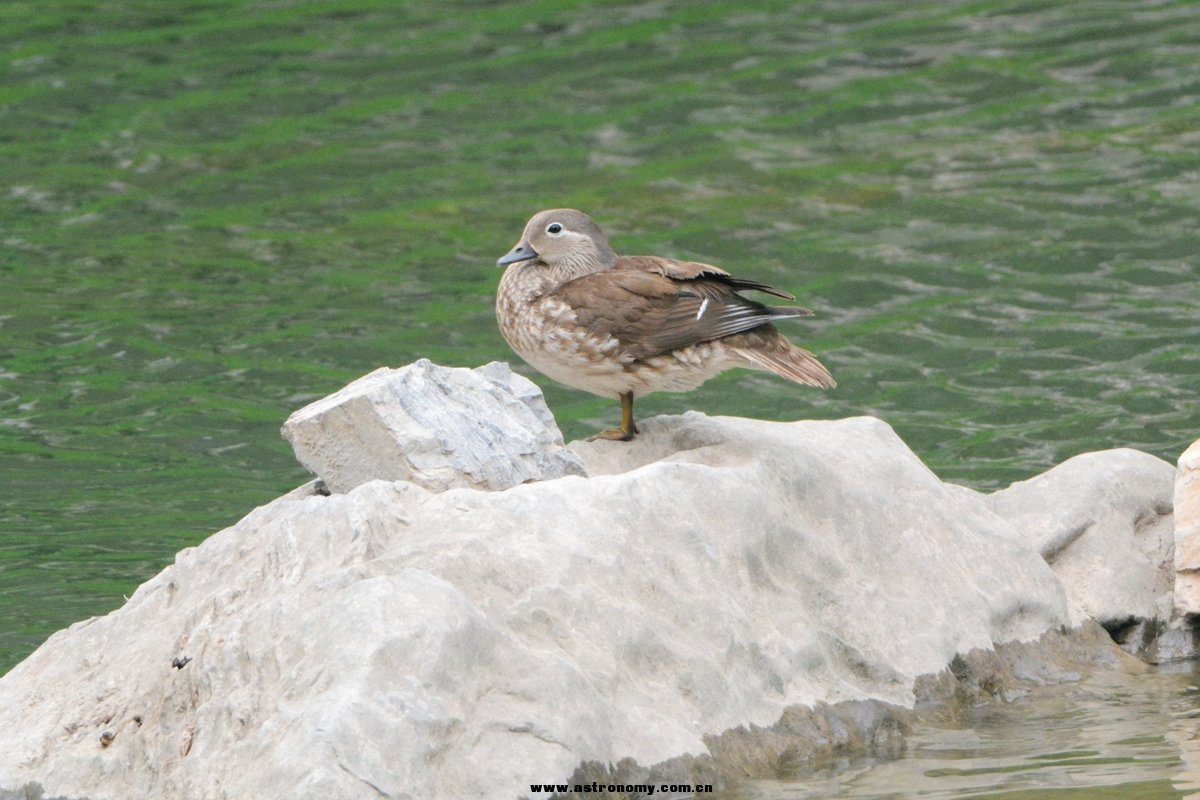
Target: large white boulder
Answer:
[[1103, 521], [394, 642], [435, 426]]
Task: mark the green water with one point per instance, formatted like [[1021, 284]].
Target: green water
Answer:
[[212, 212]]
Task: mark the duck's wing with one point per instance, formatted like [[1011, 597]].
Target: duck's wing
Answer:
[[649, 313], [694, 270]]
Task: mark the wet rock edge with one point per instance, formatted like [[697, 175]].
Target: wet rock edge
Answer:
[[807, 738]]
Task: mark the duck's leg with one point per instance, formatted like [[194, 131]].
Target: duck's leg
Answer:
[[627, 430]]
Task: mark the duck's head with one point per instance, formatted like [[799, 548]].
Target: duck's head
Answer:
[[562, 236]]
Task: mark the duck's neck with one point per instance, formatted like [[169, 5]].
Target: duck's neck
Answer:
[[576, 265]]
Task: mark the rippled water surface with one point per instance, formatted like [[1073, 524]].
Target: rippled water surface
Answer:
[[1113, 737], [213, 212]]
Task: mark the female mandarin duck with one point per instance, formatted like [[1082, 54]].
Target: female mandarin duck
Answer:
[[625, 326]]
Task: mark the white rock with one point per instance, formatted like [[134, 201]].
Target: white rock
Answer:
[[392, 642], [1103, 522], [437, 427], [1187, 533]]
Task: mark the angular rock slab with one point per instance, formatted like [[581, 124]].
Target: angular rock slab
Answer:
[[438, 427], [1103, 522], [1187, 533]]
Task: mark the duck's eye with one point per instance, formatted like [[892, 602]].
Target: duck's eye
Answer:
[[554, 229]]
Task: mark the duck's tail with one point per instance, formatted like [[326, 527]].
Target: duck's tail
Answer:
[[777, 354]]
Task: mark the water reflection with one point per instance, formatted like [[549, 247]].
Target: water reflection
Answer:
[[1115, 735], [1184, 733]]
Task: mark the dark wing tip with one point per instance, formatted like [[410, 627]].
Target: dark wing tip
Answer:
[[792, 311], [749, 284]]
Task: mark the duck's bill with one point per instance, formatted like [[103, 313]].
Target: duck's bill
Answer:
[[522, 252]]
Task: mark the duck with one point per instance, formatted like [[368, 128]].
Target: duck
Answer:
[[623, 327]]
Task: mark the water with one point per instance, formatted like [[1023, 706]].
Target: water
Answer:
[[1132, 737], [213, 212]]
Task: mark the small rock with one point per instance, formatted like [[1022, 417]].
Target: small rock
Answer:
[[1102, 521], [437, 427], [1178, 642]]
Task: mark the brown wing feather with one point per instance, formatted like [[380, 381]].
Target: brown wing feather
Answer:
[[694, 270], [651, 314]]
